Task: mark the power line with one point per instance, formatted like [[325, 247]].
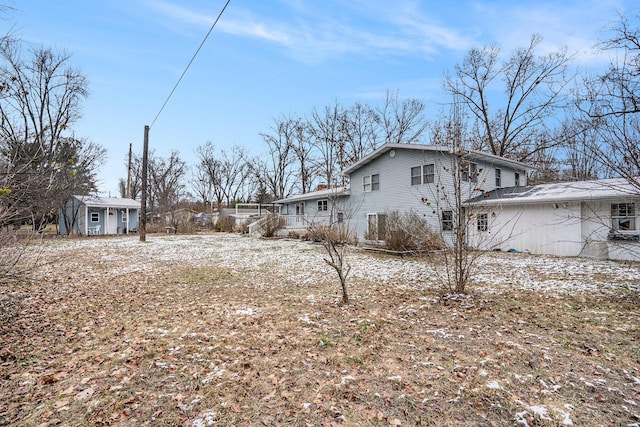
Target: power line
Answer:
[[190, 62]]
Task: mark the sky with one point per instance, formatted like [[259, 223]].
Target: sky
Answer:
[[271, 58]]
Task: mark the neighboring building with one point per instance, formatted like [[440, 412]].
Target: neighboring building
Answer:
[[90, 215], [179, 216], [596, 219]]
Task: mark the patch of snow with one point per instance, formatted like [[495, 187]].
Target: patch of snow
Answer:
[[493, 385], [207, 419], [245, 311]]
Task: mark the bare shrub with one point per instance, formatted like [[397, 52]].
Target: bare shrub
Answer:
[[410, 232], [226, 224], [270, 224]]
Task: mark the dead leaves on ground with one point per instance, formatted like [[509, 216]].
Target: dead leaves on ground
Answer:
[[207, 346]]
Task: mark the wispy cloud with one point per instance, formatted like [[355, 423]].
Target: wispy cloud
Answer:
[[313, 32], [310, 33]]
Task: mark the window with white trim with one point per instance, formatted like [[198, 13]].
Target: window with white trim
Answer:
[[517, 178], [428, 173], [371, 183], [424, 174], [483, 222], [498, 178], [469, 172], [623, 216], [124, 216], [323, 205], [95, 217]]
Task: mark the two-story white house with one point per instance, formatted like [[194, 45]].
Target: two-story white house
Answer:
[[407, 178]]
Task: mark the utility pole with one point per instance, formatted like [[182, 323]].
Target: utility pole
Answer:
[[143, 210], [128, 192]]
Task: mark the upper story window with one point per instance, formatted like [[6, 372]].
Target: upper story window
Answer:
[[416, 175], [498, 178], [95, 217], [323, 205], [623, 216], [371, 183], [470, 172], [375, 182], [424, 174]]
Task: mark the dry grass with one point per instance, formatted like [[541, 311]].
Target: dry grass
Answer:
[[99, 341]]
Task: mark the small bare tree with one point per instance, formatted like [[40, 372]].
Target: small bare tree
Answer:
[[335, 239], [336, 235]]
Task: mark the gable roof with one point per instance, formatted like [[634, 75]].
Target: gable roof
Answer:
[[469, 154], [312, 195], [108, 202], [614, 188]]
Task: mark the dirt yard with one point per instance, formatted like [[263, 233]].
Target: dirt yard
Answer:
[[229, 330]]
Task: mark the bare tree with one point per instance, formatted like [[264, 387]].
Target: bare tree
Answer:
[[277, 168], [534, 89], [225, 172], [326, 128], [304, 156], [610, 104], [40, 99], [402, 121], [166, 182], [362, 132]]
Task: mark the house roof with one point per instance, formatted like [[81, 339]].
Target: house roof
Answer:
[[469, 154], [313, 195], [108, 202], [613, 188]]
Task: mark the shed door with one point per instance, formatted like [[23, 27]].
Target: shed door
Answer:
[[112, 221]]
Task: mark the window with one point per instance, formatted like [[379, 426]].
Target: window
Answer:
[[623, 216], [483, 222], [300, 208], [375, 182], [95, 217], [447, 220], [366, 183], [124, 216], [424, 174], [517, 178], [498, 178], [470, 172], [340, 217], [428, 174], [322, 205], [370, 183], [416, 175]]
